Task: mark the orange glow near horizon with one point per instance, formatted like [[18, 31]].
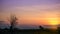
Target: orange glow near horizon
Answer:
[[45, 19], [53, 21]]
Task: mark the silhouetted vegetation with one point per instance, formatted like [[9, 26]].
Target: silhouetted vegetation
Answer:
[[13, 21], [58, 29], [29, 31]]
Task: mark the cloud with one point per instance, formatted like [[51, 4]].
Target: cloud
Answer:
[[38, 8], [34, 10]]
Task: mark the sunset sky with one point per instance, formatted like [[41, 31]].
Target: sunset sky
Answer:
[[31, 12]]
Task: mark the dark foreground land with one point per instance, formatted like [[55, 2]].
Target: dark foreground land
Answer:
[[28, 31]]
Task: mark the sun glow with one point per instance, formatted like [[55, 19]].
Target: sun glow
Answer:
[[53, 21]]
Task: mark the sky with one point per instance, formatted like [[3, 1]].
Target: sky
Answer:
[[31, 12]]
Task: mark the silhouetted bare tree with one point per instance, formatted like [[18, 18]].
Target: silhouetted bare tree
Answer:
[[13, 21]]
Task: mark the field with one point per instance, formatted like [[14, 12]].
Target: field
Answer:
[[28, 31]]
